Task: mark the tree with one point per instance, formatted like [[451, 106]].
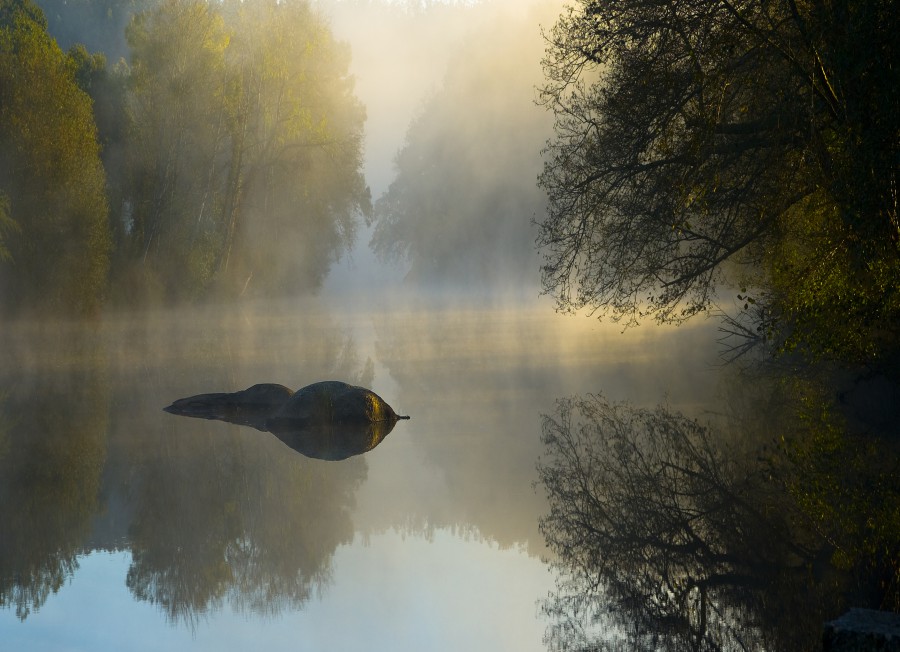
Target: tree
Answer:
[[692, 138], [58, 251], [7, 226], [245, 148], [294, 190], [178, 136]]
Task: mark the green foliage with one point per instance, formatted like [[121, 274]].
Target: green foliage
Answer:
[[243, 152], [175, 109], [87, 66], [7, 226], [826, 300], [294, 190], [708, 143], [50, 173], [847, 489], [231, 159]]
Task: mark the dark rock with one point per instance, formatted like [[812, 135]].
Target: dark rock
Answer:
[[330, 420], [249, 407], [861, 630]]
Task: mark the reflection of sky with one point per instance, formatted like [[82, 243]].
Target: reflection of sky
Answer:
[[476, 597], [475, 382], [474, 385]]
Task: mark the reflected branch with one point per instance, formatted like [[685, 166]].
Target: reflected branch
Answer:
[[663, 539]]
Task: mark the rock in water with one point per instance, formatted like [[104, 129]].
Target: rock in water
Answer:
[[250, 407], [328, 420], [333, 402], [334, 441]]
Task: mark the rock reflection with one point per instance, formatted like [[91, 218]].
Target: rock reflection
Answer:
[[329, 420], [667, 540]]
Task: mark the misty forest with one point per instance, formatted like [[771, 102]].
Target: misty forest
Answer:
[[621, 184], [213, 161]]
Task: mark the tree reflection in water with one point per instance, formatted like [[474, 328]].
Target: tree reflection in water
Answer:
[[211, 515], [665, 539], [258, 532], [53, 446]]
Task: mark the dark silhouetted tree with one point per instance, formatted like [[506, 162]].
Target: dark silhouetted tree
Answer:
[[665, 540], [695, 137]]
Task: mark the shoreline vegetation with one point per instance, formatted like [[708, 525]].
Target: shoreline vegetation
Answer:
[[214, 162], [704, 154], [699, 147]]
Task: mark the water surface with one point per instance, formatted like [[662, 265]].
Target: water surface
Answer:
[[127, 527]]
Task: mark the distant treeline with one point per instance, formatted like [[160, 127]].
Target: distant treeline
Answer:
[[461, 206], [222, 157]]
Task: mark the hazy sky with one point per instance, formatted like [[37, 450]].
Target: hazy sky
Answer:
[[399, 60]]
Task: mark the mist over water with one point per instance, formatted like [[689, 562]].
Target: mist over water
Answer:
[[184, 495], [288, 243]]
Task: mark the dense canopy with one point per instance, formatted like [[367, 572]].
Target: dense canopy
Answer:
[[691, 136], [222, 156], [54, 238]]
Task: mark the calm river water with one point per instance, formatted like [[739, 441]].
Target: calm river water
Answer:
[[124, 527]]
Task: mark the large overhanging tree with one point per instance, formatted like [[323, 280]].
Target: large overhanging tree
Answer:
[[696, 133]]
